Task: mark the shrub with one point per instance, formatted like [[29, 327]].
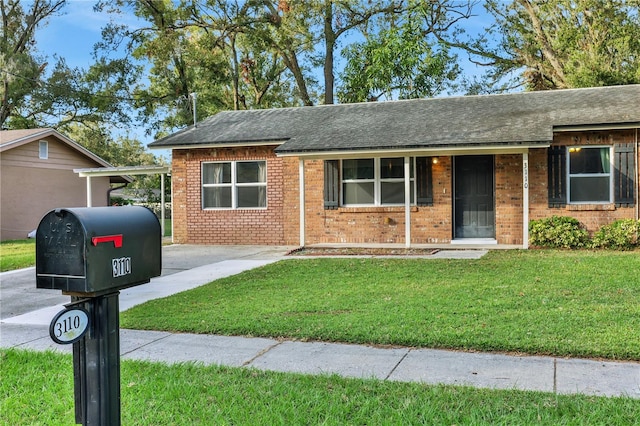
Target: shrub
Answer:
[[620, 235], [558, 232]]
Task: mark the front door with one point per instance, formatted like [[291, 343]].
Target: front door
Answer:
[[474, 210]]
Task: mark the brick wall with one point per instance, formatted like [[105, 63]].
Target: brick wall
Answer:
[[193, 225], [593, 216], [280, 222], [508, 198], [429, 224]]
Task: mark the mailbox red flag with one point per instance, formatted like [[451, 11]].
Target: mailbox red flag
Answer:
[[116, 239]]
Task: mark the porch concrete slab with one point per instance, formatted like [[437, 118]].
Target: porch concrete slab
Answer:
[[331, 358], [202, 349], [493, 371], [599, 378], [458, 254]]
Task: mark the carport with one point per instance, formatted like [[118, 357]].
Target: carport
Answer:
[[128, 171]]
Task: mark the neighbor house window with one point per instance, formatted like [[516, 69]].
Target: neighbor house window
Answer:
[[589, 174], [43, 150], [234, 185], [375, 181]]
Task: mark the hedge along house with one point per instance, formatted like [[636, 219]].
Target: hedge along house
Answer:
[[426, 172]]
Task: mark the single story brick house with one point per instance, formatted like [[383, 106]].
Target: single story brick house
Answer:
[[424, 172]]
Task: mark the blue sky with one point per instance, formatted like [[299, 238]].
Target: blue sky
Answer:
[[72, 33]]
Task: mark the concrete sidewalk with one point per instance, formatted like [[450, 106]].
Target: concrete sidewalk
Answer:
[[498, 371]]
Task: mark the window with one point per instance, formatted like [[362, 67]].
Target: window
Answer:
[[43, 150], [586, 173], [375, 181], [589, 174], [234, 185]]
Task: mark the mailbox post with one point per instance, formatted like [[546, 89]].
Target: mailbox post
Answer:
[[91, 254]]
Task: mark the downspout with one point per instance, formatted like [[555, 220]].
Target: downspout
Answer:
[[110, 190]]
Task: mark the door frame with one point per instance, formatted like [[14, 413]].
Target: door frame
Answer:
[[491, 173]]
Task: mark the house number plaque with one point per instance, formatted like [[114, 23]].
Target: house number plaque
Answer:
[[69, 325]]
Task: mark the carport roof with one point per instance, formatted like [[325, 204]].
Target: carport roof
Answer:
[[507, 120]]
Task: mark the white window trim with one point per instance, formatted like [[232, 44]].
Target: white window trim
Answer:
[[43, 150], [377, 181], [610, 174], [233, 185]]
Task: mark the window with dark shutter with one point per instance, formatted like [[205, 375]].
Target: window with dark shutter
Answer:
[[424, 181], [624, 175], [331, 184], [557, 172]]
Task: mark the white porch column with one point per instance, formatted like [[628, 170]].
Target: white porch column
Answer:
[[407, 202], [89, 194], [301, 184], [162, 189], [525, 200]]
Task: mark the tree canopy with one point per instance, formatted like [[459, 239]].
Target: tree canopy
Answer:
[[193, 58], [559, 44]]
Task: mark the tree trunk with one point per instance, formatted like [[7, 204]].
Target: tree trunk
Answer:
[[330, 43]]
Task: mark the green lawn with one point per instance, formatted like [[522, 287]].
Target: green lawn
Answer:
[[17, 254], [564, 303], [37, 389]]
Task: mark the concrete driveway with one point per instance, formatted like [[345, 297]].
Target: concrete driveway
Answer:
[[19, 295]]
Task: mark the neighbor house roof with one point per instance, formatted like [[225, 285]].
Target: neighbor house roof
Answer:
[[10, 139], [516, 119]]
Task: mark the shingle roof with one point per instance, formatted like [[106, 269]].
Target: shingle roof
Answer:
[[10, 139], [467, 121]]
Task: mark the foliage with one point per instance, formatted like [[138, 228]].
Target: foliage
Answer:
[[36, 94], [262, 54], [620, 235], [559, 44], [37, 388], [21, 69], [565, 303], [17, 254], [396, 63], [558, 232], [206, 57]]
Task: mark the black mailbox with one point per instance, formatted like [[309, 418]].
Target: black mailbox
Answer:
[[97, 249]]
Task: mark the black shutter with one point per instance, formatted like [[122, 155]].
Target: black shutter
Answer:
[[624, 174], [424, 181], [331, 184], [557, 168]]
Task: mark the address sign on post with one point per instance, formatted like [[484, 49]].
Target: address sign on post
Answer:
[[69, 325]]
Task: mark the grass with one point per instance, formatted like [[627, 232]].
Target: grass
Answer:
[[37, 389], [563, 303], [167, 227], [17, 254]]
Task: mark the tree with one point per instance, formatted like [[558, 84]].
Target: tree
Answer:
[[405, 60], [33, 97], [21, 70], [218, 52], [560, 43]]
